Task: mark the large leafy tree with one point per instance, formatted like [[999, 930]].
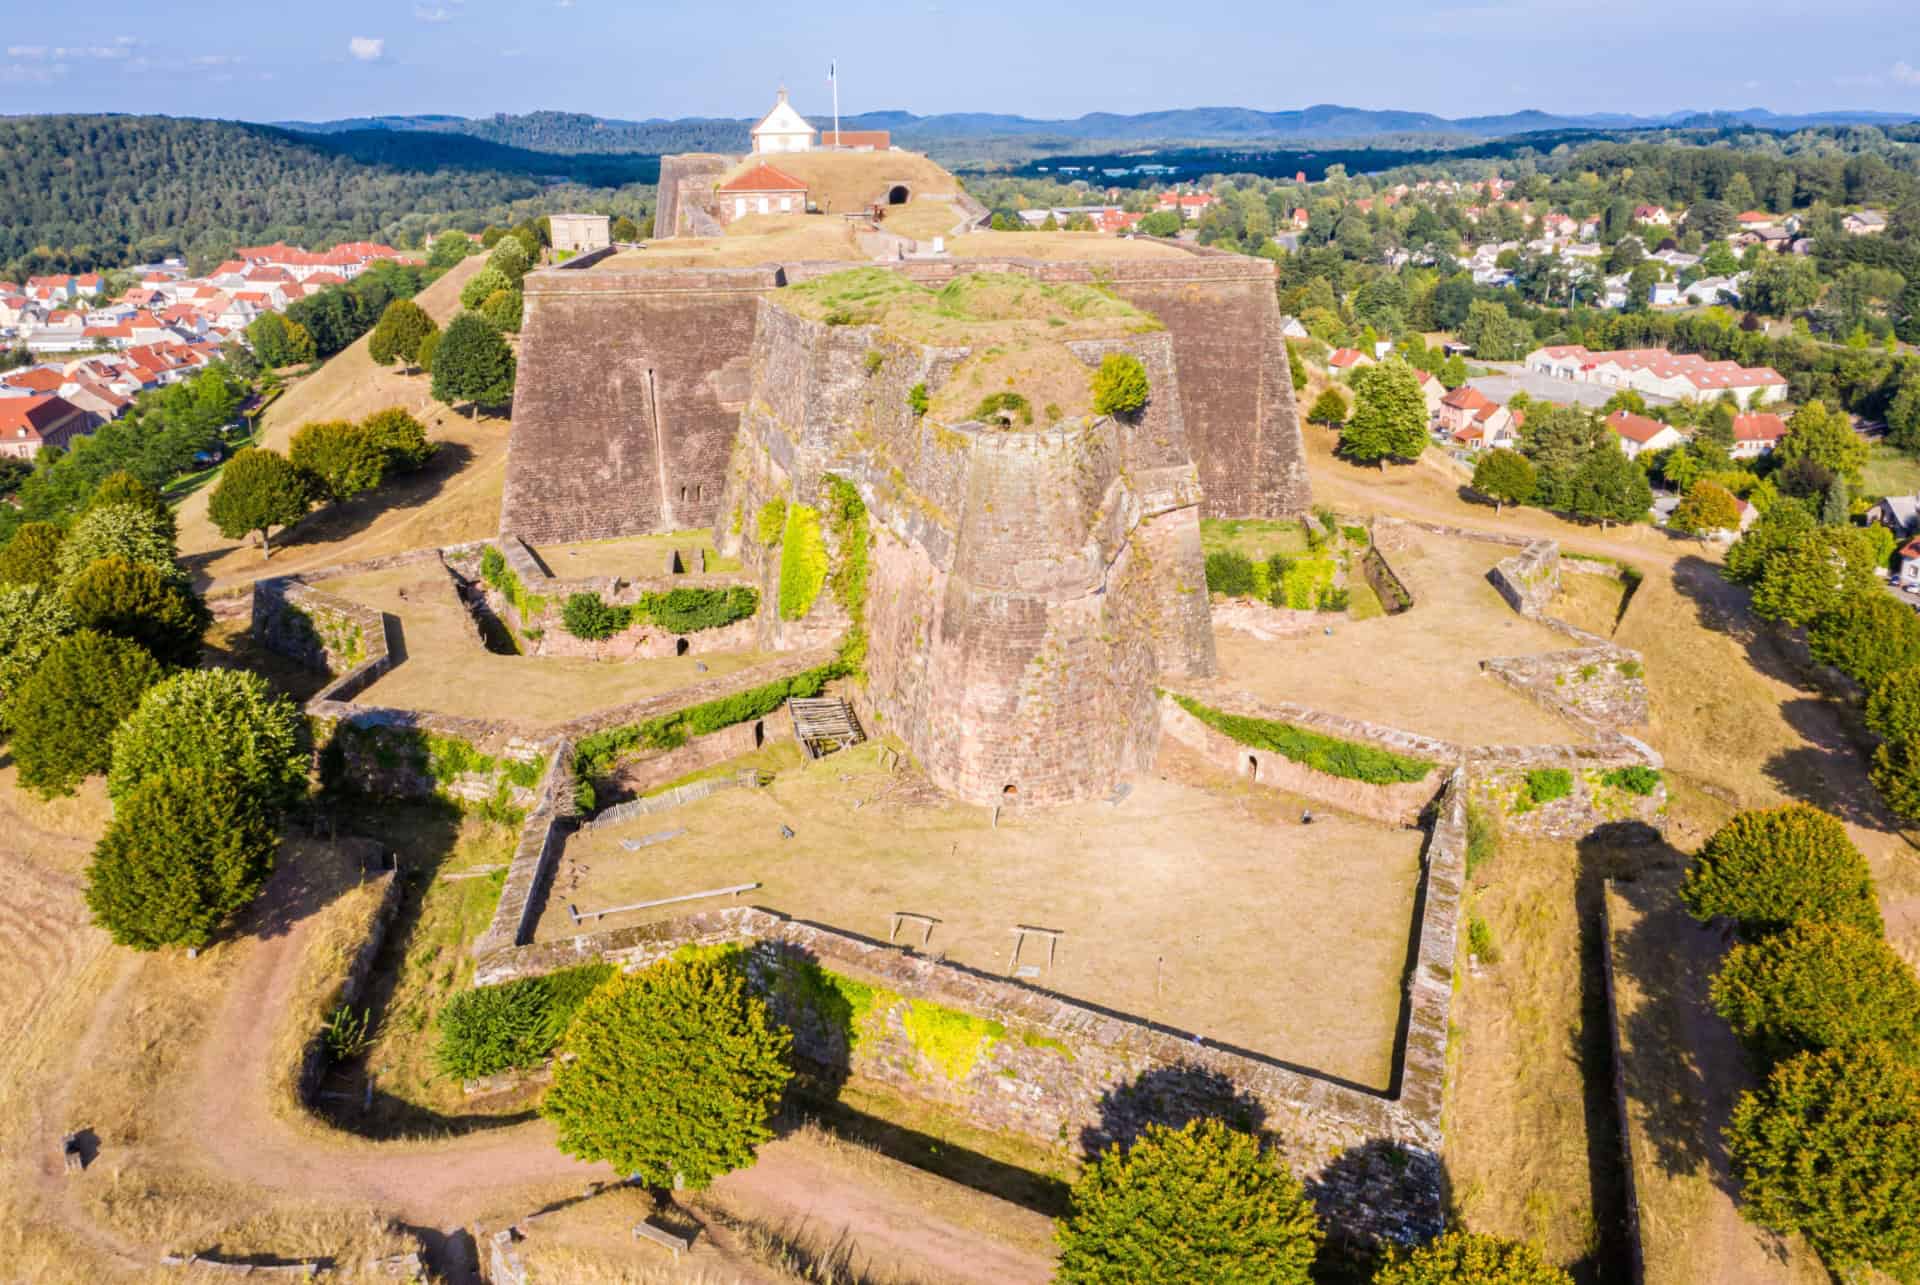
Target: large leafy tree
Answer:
[[1784, 525], [226, 722], [1830, 1147], [1389, 415], [1461, 1257], [184, 851], [1329, 408], [1559, 439], [124, 488], [674, 1075], [1708, 507], [1769, 867], [472, 363], [1608, 487], [509, 258], [1824, 439], [1818, 984], [1820, 572], [503, 308], [400, 437], [118, 531], [449, 248], [142, 604], [1505, 477], [338, 458], [32, 619], [1493, 334], [481, 284], [1202, 1203], [258, 491], [278, 342], [1868, 636], [65, 712], [32, 556], [397, 336]]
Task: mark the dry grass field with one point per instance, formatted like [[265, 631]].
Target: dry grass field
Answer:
[[843, 182], [923, 220], [1057, 245], [444, 667], [633, 557], [1419, 671], [1215, 878], [455, 498], [785, 238]]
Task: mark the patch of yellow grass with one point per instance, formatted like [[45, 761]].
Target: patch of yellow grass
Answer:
[[1058, 245], [846, 182], [793, 239]]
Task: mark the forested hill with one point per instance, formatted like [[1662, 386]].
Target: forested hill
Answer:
[[84, 192]]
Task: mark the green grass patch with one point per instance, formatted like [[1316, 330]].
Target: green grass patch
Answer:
[[1483, 838], [1322, 753], [803, 562], [1888, 471], [1253, 538], [951, 1040], [1638, 779]]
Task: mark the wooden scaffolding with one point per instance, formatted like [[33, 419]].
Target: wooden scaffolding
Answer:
[[824, 724]]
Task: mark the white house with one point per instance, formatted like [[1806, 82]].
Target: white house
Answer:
[[783, 129], [1637, 433], [1663, 294]]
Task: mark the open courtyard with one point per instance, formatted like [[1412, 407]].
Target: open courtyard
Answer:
[[1195, 902]]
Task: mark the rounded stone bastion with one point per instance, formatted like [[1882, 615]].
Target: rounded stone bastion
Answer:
[[1034, 567]]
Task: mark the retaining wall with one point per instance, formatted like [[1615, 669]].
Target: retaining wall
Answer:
[[313, 1059]]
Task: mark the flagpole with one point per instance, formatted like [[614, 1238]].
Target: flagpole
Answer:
[[833, 75]]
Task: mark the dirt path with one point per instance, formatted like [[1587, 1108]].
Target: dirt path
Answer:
[[449, 1183]]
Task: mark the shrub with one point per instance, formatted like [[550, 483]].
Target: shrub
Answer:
[[1462, 1257], [686, 611], [1480, 940], [1302, 582], [1769, 867], [1830, 1147], [503, 309], [1545, 784], [224, 722], [118, 531], [1638, 779], [1203, 1203], [803, 562], [398, 335], [771, 522], [472, 363], [675, 1074], [1483, 838], [1505, 477], [1895, 773], [1229, 573], [64, 714], [429, 345], [494, 1028], [1818, 984], [338, 458], [1868, 637], [1007, 405], [32, 556], [480, 285], [32, 619], [1329, 408], [142, 604], [184, 851], [596, 754], [400, 437], [584, 615], [124, 488], [875, 360], [917, 400], [1322, 753], [1120, 385]]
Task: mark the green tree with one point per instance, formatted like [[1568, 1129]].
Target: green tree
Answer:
[[124, 488], [423, 358], [397, 338], [1203, 1203], [277, 341], [1825, 438], [1162, 223], [184, 852], [118, 531], [448, 249], [1296, 369], [65, 712], [1505, 477], [1329, 408], [1120, 385], [1783, 525], [623, 231], [1781, 284], [1903, 414], [258, 490], [1389, 415], [1609, 487], [1461, 1257], [1768, 867], [509, 258], [1493, 334], [473, 364], [33, 618], [338, 458], [1830, 1147], [1817, 574], [1868, 637], [1559, 440], [225, 722], [1707, 508], [1895, 773], [1893, 707], [503, 308], [1817, 984], [142, 604], [481, 284], [400, 437], [32, 556], [674, 1075]]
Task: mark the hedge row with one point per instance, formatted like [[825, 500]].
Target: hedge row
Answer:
[[679, 611], [1322, 753], [516, 1024], [595, 755]]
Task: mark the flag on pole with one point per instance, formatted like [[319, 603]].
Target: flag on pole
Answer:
[[830, 70]]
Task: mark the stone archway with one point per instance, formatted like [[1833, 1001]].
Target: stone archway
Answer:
[[899, 194]]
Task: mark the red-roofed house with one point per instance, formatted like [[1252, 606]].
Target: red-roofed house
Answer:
[[1756, 435], [1752, 218], [35, 379], [1191, 205], [1345, 360], [857, 140], [1654, 214], [1432, 389], [1637, 433], [1459, 408], [29, 423], [762, 190]]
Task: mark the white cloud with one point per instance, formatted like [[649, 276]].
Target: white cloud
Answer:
[[367, 48], [431, 13], [1856, 80], [20, 73], [218, 60], [122, 47], [1906, 73], [26, 51]]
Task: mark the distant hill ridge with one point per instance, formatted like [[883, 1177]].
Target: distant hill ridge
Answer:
[[574, 132]]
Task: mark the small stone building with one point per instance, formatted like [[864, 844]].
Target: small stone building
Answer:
[[579, 233], [761, 190], [783, 129]]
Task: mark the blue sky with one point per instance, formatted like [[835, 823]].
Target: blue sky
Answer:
[[1035, 57]]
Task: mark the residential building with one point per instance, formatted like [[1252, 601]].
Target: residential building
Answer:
[[1637, 433], [1756, 434], [29, 423], [1345, 360], [1662, 373], [580, 233], [1191, 205], [1653, 214], [1900, 514], [762, 190], [1433, 390], [1909, 576], [1864, 223], [783, 129]]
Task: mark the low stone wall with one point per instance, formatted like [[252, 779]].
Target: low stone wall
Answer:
[[653, 769], [1636, 1247], [1386, 583], [313, 1059], [1500, 787], [1397, 804], [522, 891], [1600, 688], [318, 629], [785, 665], [1530, 579], [678, 797]]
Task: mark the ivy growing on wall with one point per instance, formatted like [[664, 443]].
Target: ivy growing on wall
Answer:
[[847, 514], [803, 562], [1322, 753]]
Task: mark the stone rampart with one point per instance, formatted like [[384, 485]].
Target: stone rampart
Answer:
[[313, 1055], [1530, 579], [632, 382], [684, 181]]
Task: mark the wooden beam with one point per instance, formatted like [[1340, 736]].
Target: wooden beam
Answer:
[[734, 891]]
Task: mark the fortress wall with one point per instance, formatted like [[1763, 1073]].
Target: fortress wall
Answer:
[[628, 401], [690, 170], [584, 462]]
